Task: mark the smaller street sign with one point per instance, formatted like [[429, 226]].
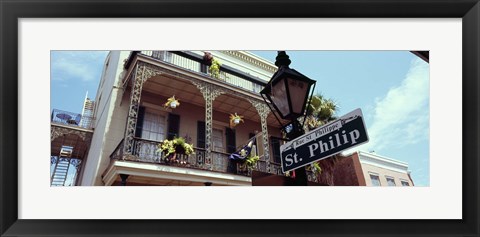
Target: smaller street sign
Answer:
[[346, 132]]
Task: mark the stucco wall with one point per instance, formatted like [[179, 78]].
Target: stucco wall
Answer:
[[382, 173], [103, 136]]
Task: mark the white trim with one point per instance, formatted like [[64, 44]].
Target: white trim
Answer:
[[373, 173], [171, 172], [382, 162], [155, 107]]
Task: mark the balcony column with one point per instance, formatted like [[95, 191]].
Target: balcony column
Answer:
[[263, 111], [209, 92], [124, 178], [142, 72]]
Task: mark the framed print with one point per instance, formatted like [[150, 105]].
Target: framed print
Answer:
[[33, 32]]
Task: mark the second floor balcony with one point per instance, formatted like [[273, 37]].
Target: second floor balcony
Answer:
[[151, 79], [146, 151]]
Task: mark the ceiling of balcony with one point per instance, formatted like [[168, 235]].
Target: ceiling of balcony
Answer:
[[189, 93], [68, 137]]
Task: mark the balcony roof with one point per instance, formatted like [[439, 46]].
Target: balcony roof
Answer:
[[173, 81]]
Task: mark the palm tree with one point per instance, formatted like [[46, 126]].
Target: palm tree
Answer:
[[320, 112]]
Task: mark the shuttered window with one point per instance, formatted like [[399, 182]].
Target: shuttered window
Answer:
[[275, 143], [231, 142], [173, 126], [141, 114], [201, 134]]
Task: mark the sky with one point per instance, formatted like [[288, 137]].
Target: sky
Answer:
[[390, 87]]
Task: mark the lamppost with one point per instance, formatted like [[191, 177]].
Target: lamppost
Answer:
[[288, 92]]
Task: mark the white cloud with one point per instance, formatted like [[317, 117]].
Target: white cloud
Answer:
[[76, 65], [401, 117]]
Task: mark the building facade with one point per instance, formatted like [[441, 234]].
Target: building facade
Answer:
[[115, 139], [70, 139], [130, 119], [369, 169]]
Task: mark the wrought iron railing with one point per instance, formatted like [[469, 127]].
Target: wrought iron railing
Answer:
[[198, 67], [71, 119], [147, 151]]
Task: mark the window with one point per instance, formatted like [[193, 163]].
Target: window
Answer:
[[153, 127], [275, 144], [404, 183], [390, 181], [375, 180]]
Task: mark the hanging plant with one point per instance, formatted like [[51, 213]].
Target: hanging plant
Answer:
[[235, 120], [172, 103], [215, 68]]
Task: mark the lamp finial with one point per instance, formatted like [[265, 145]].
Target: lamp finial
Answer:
[[282, 59]]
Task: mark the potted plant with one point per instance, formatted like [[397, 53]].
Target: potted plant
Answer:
[[214, 64], [235, 119], [171, 148], [172, 102], [215, 68], [315, 168], [249, 163]]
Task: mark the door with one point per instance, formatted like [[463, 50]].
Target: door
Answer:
[[219, 159]]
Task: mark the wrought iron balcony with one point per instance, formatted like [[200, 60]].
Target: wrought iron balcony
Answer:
[[196, 64], [146, 151]]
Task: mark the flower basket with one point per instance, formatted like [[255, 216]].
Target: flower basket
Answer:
[[171, 148], [235, 119], [172, 103]]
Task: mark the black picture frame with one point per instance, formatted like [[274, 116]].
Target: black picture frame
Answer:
[[12, 10]]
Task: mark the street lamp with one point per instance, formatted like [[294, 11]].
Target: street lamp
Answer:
[[288, 92]]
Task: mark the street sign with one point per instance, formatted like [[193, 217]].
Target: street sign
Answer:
[[346, 132]]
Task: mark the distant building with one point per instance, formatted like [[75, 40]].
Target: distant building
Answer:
[[70, 143], [87, 113], [369, 169]]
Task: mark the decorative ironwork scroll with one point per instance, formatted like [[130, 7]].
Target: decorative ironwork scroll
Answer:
[[56, 132], [142, 73], [209, 92], [263, 110]]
